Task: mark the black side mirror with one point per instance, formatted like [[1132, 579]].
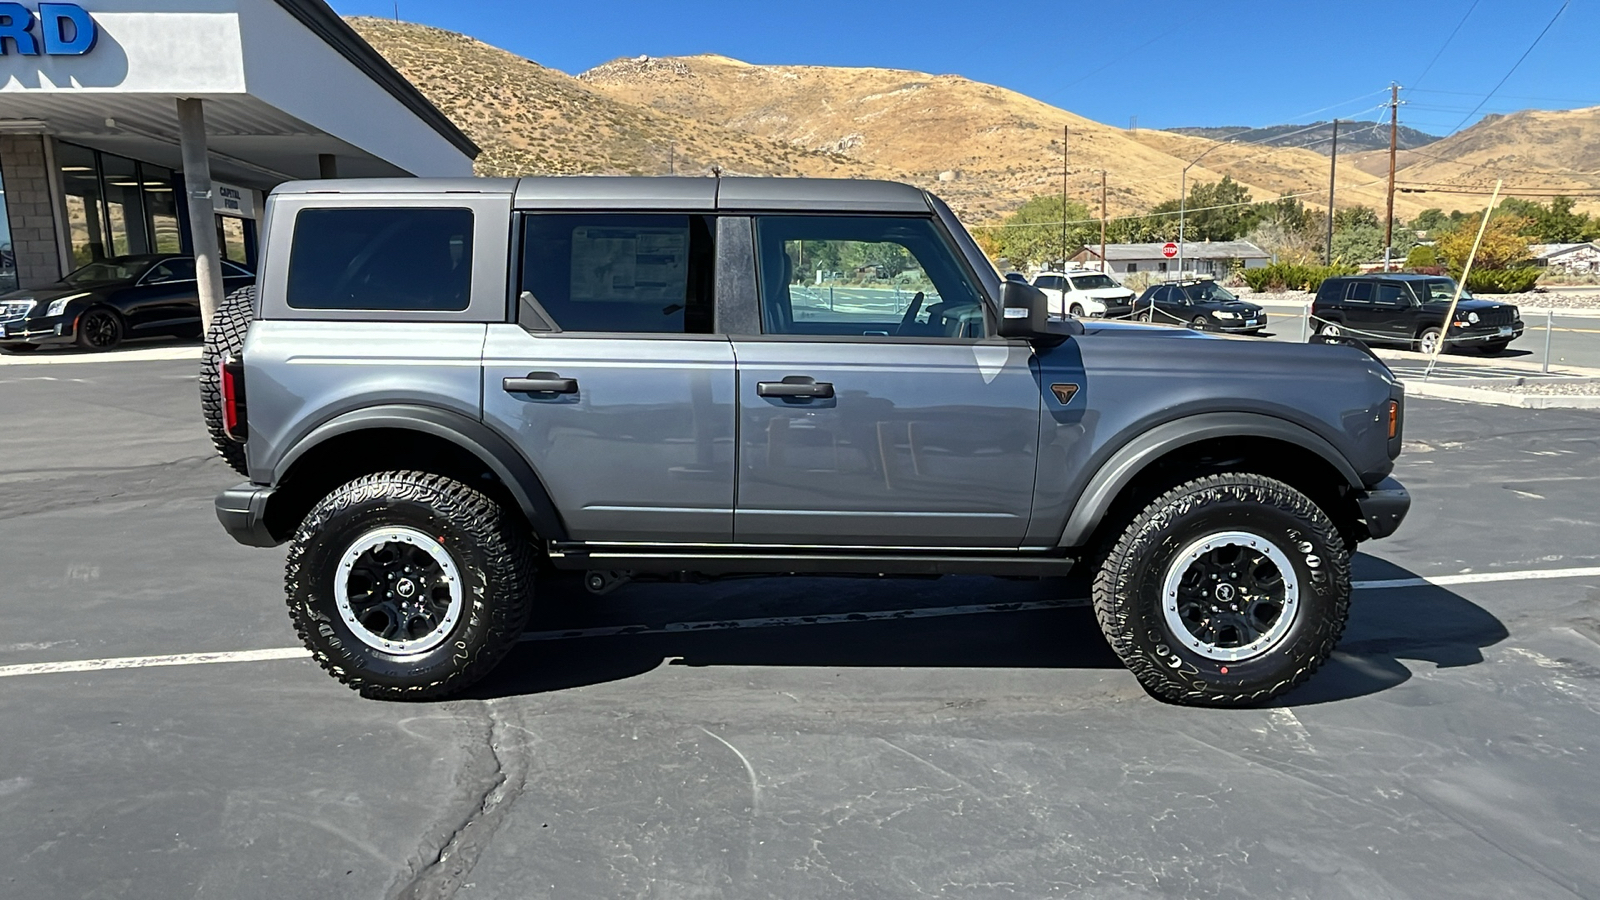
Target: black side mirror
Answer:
[[1024, 311]]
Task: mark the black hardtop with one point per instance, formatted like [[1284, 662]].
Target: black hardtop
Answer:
[[631, 192]]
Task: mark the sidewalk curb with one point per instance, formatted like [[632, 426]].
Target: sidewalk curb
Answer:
[[56, 358], [1437, 391], [1455, 359]]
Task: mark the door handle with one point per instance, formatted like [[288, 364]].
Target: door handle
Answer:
[[796, 387], [540, 383]]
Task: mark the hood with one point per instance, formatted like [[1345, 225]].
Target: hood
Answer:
[[1106, 294], [1238, 306], [46, 293], [1473, 305]]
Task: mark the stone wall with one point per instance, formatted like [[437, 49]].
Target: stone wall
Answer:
[[28, 205]]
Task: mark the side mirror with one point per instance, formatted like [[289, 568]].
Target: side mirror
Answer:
[[1024, 311]]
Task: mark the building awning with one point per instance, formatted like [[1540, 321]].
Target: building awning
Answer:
[[283, 81]]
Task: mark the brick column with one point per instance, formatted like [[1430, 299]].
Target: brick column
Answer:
[[30, 208]]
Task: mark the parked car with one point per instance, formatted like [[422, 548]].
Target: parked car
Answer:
[[1409, 310], [1201, 304], [427, 449], [101, 304], [1080, 294]]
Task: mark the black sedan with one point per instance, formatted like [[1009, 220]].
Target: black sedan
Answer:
[[1200, 304], [104, 302]]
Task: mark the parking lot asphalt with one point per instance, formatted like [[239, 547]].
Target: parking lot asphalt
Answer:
[[985, 745]]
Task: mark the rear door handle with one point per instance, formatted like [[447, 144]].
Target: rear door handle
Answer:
[[540, 383], [795, 386]]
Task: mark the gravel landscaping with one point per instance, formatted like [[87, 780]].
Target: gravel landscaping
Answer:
[[1545, 388]]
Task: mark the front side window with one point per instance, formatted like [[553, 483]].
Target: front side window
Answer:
[[1443, 289], [110, 271], [396, 258], [897, 277], [1391, 294], [629, 273]]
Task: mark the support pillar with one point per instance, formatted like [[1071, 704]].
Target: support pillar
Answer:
[[202, 211], [327, 165]]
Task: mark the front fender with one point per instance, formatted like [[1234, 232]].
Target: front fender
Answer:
[[1145, 448]]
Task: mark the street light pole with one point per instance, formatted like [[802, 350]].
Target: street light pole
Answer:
[[1183, 200]]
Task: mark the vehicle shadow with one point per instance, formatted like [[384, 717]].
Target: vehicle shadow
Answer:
[[965, 622]]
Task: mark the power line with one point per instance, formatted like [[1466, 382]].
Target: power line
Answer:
[[1446, 43], [1546, 30]]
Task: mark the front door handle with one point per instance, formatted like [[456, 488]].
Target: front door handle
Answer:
[[540, 383], [795, 386]]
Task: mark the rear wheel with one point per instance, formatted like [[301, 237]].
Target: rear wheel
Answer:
[[408, 586], [1225, 591], [1144, 315], [1329, 329], [100, 329]]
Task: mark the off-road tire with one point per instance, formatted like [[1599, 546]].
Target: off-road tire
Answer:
[[491, 550], [226, 336], [1128, 589]]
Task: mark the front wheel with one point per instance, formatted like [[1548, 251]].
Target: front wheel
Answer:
[[1428, 341], [1198, 323], [408, 586], [1225, 591], [100, 329], [1077, 311]]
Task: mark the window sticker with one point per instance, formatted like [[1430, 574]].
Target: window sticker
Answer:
[[631, 265]]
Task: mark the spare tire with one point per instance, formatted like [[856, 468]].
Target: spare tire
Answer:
[[225, 337]]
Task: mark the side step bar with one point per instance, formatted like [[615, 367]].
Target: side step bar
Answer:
[[791, 563]]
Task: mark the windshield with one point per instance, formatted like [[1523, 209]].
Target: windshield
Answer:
[[1445, 289], [1209, 291], [107, 271], [1092, 282]]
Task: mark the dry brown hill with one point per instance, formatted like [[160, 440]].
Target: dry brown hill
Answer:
[[529, 119], [1540, 151]]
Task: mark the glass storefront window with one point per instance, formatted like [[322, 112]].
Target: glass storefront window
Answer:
[[161, 207], [124, 205], [8, 256], [231, 237], [80, 178]]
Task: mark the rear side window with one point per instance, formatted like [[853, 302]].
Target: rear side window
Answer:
[[1359, 292], [619, 272], [397, 258]]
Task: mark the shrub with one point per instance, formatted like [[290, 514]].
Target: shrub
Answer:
[[1292, 276], [1421, 257], [1501, 281]]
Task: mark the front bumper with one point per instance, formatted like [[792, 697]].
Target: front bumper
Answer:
[[40, 331], [242, 510], [1383, 507], [1116, 311], [1484, 334], [1237, 326]]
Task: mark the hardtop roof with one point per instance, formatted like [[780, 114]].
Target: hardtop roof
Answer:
[[682, 194]]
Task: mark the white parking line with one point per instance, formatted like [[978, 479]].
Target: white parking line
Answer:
[[277, 653]]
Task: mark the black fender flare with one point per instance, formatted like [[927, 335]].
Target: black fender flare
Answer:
[[1132, 458], [499, 455]]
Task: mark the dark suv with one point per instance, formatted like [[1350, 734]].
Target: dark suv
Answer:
[[1201, 304], [1410, 310]]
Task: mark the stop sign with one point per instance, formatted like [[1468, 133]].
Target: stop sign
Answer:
[[1169, 250]]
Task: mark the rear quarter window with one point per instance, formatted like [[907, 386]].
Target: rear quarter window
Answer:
[[402, 258]]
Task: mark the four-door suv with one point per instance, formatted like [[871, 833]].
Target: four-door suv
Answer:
[[1201, 304], [1080, 294], [99, 305], [1409, 310], [445, 385]]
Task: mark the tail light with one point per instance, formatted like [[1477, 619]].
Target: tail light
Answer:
[[234, 419], [1394, 419]]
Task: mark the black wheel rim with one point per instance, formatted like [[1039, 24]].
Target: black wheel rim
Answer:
[[100, 329], [398, 590], [1230, 596]]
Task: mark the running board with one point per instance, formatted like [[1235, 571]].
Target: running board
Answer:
[[567, 557]]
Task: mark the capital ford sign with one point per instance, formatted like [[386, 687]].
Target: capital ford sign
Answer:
[[59, 29]]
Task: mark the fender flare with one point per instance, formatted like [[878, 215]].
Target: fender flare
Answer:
[[494, 451], [1132, 458]]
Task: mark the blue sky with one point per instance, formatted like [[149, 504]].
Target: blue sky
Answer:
[[1168, 62]]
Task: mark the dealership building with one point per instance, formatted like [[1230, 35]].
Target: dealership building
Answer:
[[131, 126]]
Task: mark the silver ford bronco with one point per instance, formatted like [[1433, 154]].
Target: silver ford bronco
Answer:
[[441, 387]]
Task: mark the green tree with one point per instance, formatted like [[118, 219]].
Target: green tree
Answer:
[[1432, 221], [1032, 234], [1221, 211], [1553, 224]]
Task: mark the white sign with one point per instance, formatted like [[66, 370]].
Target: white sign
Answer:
[[228, 200]]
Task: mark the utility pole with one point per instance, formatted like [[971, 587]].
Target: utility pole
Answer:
[[672, 160], [1333, 168], [1394, 137], [1066, 133], [1104, 268]]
